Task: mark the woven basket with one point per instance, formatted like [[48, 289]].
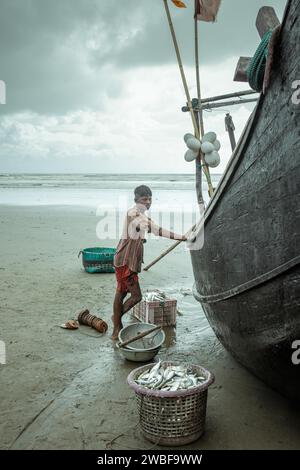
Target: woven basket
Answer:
[[98, 260], [172, 418]]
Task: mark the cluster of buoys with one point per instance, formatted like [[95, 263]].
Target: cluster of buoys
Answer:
[[209, 146]]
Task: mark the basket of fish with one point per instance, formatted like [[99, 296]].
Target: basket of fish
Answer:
[[156, 308], [172, 400]]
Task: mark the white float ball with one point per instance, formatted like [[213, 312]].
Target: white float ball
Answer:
[[213, 159], [190, 156], [209, 137], [193, 144], [217, 145], [188, 136], [207, 147]]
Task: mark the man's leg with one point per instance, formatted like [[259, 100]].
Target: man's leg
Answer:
[[118, 312], [135, 297], [121, 308]]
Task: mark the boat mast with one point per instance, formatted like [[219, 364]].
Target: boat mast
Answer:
[[198, 72], [199, 114], [189, 102]]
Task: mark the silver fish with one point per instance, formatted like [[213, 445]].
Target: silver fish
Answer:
[[144, 375], [154, 370], [168, 374], [175, 387], [159, 382], [170, 378]]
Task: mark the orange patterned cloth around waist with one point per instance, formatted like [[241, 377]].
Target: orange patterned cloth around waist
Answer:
[[126, 278]]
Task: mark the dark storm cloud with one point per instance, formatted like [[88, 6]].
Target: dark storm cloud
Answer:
[[233, 34], [63, 55], [45, 58]]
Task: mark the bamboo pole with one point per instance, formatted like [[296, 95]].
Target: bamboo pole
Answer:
[[200, 122], [171, 248], [228, 95], [206, 102], [165, 253], [223, 104], [198, 74], [188, 98]]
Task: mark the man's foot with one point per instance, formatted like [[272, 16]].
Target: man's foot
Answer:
[[115, 335], [117, 328]]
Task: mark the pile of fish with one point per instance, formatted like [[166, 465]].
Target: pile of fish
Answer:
[[155, 295], [170, 378]]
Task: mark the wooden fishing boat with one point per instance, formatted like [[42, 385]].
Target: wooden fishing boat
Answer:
[[247, 276]]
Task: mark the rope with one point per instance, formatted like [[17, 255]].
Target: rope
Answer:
[[234, 291], [257, 67]]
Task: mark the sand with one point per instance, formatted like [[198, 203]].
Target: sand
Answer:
[[67, 389]]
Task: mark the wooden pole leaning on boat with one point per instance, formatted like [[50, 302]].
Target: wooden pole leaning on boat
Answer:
[[188, 98], [171, 248], [165, 253]]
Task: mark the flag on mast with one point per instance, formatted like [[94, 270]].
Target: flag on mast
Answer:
[[179, 4], [207, 10]]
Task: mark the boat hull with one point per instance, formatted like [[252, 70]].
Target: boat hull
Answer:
[[258, 328], [247, 275]]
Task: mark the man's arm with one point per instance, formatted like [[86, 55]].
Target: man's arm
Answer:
[[161, 232]]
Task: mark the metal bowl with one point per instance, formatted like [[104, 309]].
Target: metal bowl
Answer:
[[142, 350], [138, 356], [152, 341]]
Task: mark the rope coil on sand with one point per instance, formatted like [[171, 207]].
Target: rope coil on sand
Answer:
[[85, 318]]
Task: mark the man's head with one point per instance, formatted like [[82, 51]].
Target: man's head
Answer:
[[143, 196]]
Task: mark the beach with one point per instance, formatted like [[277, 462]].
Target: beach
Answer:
[[64, 389]]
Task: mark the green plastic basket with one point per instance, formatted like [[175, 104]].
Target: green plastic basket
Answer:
[[98, 260]]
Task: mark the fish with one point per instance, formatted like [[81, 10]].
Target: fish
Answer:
[[179, 374], [159, 381], [175, 386], [168, 374], [194, 381], [154, 296], [144, 376], [154, 371], [170, 378]]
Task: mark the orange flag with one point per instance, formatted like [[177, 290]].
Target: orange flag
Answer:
[[207, 10], [179, 4]]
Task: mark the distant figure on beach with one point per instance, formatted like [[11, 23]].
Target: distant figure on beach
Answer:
[[129, 254]]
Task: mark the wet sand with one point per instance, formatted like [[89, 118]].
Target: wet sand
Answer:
[[67, 389]]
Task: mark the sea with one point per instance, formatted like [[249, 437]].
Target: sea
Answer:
[[170, 191]]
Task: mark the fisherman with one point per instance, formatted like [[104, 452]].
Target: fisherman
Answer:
[[129, 254]]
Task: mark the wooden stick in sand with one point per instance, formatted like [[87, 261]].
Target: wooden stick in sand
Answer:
[[139, 336]]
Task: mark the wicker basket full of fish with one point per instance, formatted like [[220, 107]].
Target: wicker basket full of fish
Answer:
[[171, 399], [157, 309]]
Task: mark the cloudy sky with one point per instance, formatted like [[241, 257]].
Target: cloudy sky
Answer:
[[93, 85]]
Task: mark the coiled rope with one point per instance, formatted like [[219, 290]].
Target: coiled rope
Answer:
[[257, 67]]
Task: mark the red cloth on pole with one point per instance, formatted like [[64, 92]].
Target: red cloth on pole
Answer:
[[207, 10]]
